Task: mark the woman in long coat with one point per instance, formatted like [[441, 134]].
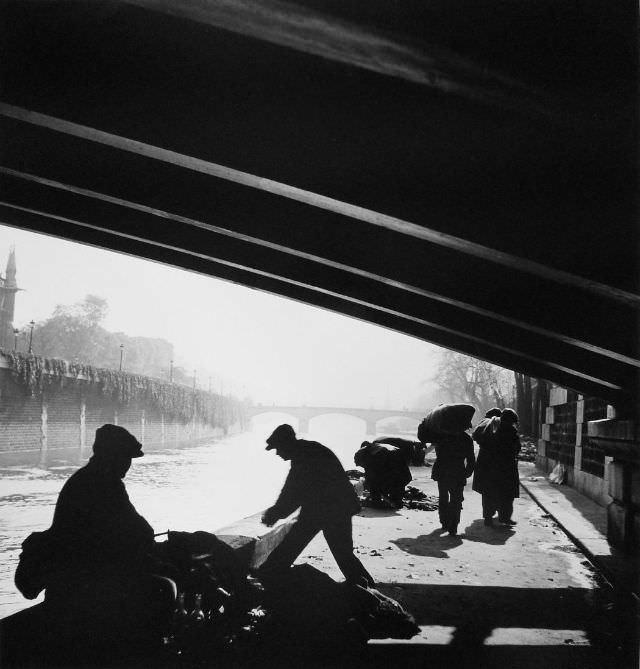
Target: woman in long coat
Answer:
[[496, 476]]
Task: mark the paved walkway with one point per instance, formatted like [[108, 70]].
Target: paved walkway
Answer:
[[585, 522], [493, 597]]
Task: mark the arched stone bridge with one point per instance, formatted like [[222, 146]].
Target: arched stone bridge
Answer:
[[305, 413]]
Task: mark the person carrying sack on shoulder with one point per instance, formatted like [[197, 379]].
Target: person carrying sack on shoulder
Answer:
[[455, 460], [496, 476]]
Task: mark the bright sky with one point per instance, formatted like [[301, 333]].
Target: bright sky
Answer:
[[253, 343]]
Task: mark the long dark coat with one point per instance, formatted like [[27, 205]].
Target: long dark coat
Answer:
[[385, 467], [496, 472], [100, 539]]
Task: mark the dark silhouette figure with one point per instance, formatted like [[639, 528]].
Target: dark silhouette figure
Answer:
[[496, 477], [414, 451], [385, 470], [101, 587], [454, 464], [318, 485]]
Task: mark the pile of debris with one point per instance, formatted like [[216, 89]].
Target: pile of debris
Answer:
[[411, 499], [528, 450], [223, 612]]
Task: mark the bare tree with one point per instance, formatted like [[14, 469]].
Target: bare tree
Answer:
[[463, 378]]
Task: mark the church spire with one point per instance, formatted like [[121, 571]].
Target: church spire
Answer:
[[10, 281]]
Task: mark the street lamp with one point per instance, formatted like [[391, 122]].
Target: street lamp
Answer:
[[31, 324], [121, 354], [16, 332]]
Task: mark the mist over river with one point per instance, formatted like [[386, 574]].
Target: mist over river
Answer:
[[200, 488]]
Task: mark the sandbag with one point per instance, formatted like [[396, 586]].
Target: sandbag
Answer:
[[445, 419], [486, 430], [35, 565]]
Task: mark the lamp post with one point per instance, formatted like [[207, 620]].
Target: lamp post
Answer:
[[121, 355], [171, 372], [16, 332], [31, 324]]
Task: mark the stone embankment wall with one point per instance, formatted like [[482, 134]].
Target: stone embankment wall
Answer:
[[601, 454], [59, 422], [565, 440]]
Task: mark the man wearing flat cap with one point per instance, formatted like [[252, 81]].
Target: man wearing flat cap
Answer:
[[100, 541], [318, 485]]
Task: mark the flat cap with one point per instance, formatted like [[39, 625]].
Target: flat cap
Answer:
[[283, 433]]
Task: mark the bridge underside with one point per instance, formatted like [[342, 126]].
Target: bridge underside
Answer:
[[461, 172]]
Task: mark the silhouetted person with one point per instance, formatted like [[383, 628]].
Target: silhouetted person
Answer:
[[414, 451], [102, 588], [318, 485], [454, 464], [385, 470], [496, 477]]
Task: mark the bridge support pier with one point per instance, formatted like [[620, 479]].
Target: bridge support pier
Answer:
[[370, 427], [303, 425]]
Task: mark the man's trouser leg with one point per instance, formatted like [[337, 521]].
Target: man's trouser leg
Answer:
[[285, 554], [505, 509], [488, 506], [339, 537], [443, 504], [456, 497]]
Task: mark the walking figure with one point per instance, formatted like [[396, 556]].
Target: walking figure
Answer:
[[454, 464], [496, 477]]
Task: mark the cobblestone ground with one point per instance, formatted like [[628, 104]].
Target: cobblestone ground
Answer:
[[495, 597]]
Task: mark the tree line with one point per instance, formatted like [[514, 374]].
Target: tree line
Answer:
[[462, 378]]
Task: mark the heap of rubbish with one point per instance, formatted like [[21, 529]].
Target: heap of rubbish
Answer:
[[223, 612], [528, 450]]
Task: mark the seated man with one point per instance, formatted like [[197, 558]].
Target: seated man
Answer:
[[101, 545], [386, 471]]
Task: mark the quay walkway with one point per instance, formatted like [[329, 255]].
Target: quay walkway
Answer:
[[529, 596]]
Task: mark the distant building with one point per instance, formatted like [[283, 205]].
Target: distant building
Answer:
[[8, 290]]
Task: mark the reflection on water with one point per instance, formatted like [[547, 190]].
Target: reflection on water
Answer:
[[200, 488]]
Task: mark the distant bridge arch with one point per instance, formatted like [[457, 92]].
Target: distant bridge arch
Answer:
[[304, 414]]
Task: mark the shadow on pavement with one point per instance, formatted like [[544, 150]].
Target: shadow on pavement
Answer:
[[496, 535], [435, 544]]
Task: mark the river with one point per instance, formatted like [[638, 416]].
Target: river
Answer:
[[199, 488]]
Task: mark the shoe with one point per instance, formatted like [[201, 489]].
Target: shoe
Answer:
[[488, 522], [453, 531], [509, 522]]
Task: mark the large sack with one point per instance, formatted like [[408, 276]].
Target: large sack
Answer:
[[445, 419], [485, 431], [307, 608], [413, 450], [36, 564]]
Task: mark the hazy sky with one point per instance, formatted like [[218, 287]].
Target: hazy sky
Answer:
[[271, 348]]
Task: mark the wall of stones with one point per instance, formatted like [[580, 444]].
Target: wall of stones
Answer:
[[565, 440], [59, 425]]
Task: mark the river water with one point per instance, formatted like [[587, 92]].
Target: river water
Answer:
[[200, 488]]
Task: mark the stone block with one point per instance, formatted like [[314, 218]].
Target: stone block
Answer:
[[615, 476], [580, 411], [546, 432], [549, 415], [616, 524], [542, 447], [608, 428], [577, 458], [557, 396]]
